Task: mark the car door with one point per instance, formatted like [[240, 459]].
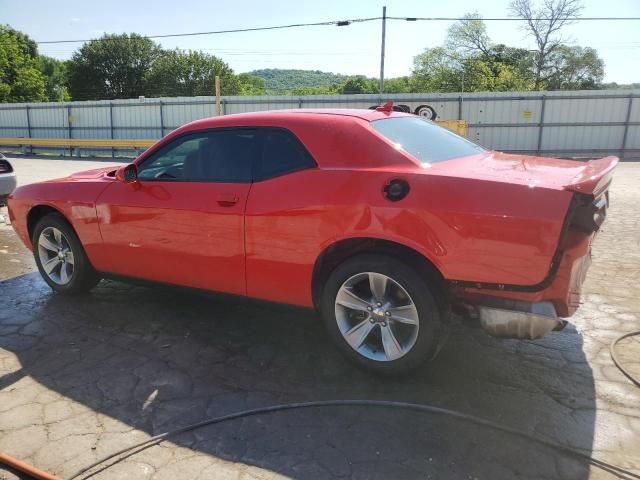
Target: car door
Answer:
[[283, 219], [183, 222]]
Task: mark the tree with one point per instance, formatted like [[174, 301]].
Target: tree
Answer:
[[469, 35], [29, 46], [281, 81], [251, 85], [436, 70], [574, 68], [397, 85], [331, 90], [114, 66], [20, 79], [359, 84], [55, 72], [190, 73], [544, 23], [440, 70]]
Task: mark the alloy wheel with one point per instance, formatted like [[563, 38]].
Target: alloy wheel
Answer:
[[56, 256], [376, 316]]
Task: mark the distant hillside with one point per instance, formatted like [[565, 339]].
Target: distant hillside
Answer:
[[279, 81]]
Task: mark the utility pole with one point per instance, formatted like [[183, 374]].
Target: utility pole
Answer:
[[384, 28]]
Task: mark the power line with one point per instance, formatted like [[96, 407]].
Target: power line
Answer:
[[345, 23], [510, 19], [339, 23]]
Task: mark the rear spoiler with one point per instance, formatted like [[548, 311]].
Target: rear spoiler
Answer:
[[595, 177]]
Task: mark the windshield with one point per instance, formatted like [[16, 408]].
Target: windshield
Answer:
[[427, 142]]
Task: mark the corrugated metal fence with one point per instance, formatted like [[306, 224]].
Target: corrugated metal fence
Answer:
[[567, 124]]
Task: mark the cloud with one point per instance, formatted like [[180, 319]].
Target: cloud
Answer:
[[75, 20]]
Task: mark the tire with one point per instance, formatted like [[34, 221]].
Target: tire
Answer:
[[427, 112], [396, 108], [413, 346], [78, 275]]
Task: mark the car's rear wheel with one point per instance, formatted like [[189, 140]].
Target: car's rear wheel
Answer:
[[381, 313], [60, 258]]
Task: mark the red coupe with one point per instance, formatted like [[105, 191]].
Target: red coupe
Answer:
[[381, 220]]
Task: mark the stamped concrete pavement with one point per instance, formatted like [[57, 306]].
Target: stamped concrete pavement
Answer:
[[81, 377]]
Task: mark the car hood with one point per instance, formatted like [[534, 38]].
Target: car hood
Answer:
[[586, 177], [93, 174]]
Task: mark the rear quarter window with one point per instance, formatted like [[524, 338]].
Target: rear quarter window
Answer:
[[424, 140], [282, 153]]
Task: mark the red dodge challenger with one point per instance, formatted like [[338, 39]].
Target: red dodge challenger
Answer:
[[381, 220]]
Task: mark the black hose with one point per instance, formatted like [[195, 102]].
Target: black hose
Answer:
[[614, 356], [613, 469]]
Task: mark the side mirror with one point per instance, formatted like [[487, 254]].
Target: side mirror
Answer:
[[128, 173]]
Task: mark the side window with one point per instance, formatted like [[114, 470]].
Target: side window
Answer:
[[282, 153], [213, 156], [168, 163]]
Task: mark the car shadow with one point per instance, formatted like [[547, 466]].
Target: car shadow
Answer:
[[155, 359]]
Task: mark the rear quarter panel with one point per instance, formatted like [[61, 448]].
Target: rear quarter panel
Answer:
[[469, 229]]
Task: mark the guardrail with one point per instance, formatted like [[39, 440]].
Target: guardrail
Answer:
[[76, 142]]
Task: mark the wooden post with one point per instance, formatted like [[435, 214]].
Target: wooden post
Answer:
[[218, 106]]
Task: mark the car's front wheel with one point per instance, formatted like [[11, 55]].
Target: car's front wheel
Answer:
[[60, 258], [381, 313]]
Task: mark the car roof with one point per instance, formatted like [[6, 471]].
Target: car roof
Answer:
[[259, 118], [348, 127]]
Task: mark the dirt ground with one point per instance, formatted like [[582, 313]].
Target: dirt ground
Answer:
[[81, 377]]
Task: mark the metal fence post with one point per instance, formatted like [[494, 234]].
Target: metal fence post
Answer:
[[29, 129], [459, 107], [69, 127], [111, 127], [161, 120], [542, 105], [300, 102], [623, 147]]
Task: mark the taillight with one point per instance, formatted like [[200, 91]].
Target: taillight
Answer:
[[589, 213], [5, 166]]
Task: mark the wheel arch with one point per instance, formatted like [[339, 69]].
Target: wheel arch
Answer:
[[343, 249], [37, 212]]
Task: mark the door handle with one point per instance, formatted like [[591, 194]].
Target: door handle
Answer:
[[227, 199]]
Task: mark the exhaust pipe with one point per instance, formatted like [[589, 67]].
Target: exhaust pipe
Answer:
[[516, 319]]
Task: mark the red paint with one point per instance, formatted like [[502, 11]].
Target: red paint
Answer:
[[491, 218]]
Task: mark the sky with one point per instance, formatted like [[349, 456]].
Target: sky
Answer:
[[353, 49]]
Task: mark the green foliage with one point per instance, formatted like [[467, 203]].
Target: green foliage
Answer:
[[573, 68], [468, 36], [281, 81], [397, 85], [436, 70], [359, 84], [28, 46], [332, 90], [251, 85], [618, 86], [469, 62], [114, 66], [191, 73], [20, 79], [55, 72]]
